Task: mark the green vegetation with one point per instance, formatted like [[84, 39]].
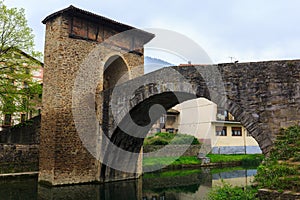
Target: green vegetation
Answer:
[[184, 160], [245, 159], [170, 138], [228, 192], [17, 61], [281, 171]]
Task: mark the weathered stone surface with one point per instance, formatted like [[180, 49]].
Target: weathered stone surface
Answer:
[[25, 133], [263, 96], [266, 194], [63, 158], [249, 98], [19, 147], [19, 158]]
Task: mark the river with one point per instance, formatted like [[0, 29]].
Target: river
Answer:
[[165, 185]]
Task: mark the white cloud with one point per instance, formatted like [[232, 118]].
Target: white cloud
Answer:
[[248, 30]]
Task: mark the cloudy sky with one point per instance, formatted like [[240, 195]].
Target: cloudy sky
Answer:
[[248, 30]]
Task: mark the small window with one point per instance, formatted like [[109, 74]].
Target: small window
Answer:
[[236, 131], [7, 120], [162, 119], [221, 131], [23, 118]]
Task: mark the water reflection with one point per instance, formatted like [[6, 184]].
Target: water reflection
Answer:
[[166, 185], [191, 184], [177, 184], [18, 188], [109, 191], [235, 178]]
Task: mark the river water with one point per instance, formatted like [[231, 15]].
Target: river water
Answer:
[[165, 185]]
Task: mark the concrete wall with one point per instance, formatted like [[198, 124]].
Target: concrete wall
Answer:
[[196, 116]]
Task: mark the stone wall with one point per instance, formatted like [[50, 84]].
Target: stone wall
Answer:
[[19, 147], [19, 158], [263, 96], [266, 194], [24, 133]]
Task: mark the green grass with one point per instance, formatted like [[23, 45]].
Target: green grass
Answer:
[[193, 160], [185, 160], [228, 192], [246, 159]]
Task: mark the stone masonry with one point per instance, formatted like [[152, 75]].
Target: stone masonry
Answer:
[[263, 96], [19, 147], [82, 65], [71, 35]]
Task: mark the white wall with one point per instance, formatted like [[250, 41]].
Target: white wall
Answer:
[[198, 118]]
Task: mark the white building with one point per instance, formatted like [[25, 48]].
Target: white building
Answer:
[[202, 119], [214, 127]]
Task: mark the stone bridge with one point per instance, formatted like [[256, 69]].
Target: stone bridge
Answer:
[[98, 105]]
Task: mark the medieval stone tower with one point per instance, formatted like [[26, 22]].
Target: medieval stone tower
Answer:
[[71, 35]]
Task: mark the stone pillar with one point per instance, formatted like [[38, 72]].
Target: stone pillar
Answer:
[[63, 159]]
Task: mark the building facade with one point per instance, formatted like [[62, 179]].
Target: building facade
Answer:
[[204, 120], [213, 126], [22, 100]]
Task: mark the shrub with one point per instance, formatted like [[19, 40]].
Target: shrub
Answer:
[[185, 139], [171, 138], [279, 171], [226, 191], [159, 142]]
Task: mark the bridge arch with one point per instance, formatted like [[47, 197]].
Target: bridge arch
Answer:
[[116, 71], [167, 95], [140, 118], [264, 96]]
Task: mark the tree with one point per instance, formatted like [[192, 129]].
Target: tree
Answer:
[[17, 61]]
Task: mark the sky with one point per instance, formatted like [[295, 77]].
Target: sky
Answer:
[[243, 30]]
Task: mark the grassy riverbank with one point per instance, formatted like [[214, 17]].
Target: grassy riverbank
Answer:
[[278, 177], [281, 171], [242, 159]]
